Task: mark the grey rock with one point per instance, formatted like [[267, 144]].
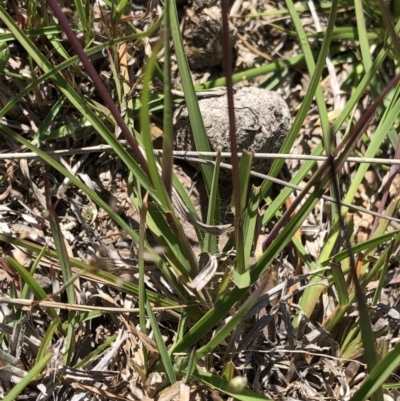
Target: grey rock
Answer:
[[202, 34], [262, 123]]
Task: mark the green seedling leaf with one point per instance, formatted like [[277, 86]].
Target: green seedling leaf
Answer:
[[249, 226], [147, 140], [4, 55], [224, 286], [168, 132], [251, 217], [83, 317], [228, 372], [184, 322], [240, 277], [383, 275], [142, 289], [121, 6], [191, 366], [25, 289], [341, 286]]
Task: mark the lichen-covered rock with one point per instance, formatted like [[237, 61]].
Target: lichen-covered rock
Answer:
[[262, 123]]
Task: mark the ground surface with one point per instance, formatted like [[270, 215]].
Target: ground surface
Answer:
[[279, 362]]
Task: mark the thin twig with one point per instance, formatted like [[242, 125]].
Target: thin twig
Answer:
[[182, 154], [29, 304]]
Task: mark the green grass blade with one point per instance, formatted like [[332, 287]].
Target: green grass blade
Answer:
[[71, 61], [32, 284], [341, 286], [250, 221], [44, 126], [219, 384], [168, 133], [142, 289], [240, 277], [32, 374], [196, 121], [213, 212], [63, 258], [239, 315], [315, 71], [47, 339], [98, 351], [25, 289], [169, 369], [147, 140], [378, 375]]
